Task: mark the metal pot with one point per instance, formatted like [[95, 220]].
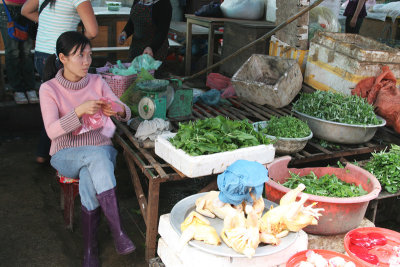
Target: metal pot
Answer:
[[341, 133], [284, 146]]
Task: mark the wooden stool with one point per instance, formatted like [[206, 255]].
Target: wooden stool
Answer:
[[69, 190]]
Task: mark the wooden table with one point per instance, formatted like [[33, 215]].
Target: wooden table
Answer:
[[212, 24], [156, 171]]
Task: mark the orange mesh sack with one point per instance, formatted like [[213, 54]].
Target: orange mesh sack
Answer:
[[381, 91], [388, 105]]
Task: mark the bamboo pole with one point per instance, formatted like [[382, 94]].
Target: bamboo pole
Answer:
[[262, 38]]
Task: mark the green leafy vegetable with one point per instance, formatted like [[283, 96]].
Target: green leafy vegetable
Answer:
[[286, 126], [213, 135], [385, 166], [337, 107], [326, 144], [327, 185]]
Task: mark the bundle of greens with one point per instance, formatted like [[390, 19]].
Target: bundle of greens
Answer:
[[327, 185], [337, 107], [287, 127], [213, 135], [385, 167]]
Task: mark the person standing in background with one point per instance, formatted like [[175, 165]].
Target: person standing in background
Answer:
[[355, 13], [19, 63], [149, 25], [57, 17]]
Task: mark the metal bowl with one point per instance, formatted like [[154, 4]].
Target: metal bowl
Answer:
[[182, 209], [283, 145], [341, 133]]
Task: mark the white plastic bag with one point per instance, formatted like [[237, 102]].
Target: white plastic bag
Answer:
[[151, 129], [243, 9]]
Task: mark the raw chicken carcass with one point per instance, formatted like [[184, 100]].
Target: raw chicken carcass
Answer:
[[290, 215], [209, 205], [242, 234], [197, 227]]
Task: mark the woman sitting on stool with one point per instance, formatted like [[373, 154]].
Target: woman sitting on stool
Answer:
[[68, 93]]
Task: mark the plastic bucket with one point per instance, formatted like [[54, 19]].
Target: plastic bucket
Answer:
[[341, 214]]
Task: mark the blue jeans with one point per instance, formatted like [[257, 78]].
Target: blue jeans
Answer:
[[93, 165], [19, 63], [40, 60], [43, 147]]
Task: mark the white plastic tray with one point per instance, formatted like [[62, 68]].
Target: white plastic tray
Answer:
[[196, 166]]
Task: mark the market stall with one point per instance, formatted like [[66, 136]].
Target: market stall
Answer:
[[157, 171]]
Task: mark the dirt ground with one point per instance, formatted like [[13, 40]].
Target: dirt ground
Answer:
[[32, 227]]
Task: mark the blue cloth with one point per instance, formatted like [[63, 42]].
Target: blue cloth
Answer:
[[237, 180], [93, 165]]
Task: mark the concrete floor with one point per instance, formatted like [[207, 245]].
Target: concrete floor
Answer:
[[32, 228], [31, 221]]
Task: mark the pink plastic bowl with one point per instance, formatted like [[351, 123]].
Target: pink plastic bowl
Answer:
[[295, 260], [341, 214]]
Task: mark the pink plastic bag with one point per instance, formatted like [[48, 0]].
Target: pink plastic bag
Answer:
[[217, 81], [91, 122], [114, 106], [99, 120]]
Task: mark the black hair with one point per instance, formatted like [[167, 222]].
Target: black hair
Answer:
[[65, 44]]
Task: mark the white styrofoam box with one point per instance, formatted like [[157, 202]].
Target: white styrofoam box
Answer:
[[190, 256], [196, 166], [168, 258]]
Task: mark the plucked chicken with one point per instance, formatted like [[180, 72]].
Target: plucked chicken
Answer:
[[196, 227], [242, 234], [290, 215]]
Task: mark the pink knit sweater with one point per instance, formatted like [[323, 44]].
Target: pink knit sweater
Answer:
[[58, 100]]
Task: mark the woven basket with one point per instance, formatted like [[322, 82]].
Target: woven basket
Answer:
[[118, 83]]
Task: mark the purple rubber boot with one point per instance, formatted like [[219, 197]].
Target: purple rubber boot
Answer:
[[90, 223], [108, 203]]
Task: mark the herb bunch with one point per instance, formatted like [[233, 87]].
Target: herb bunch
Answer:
[[327, 185], [337, 107], [213, 135], [287, 127], [385, 167]]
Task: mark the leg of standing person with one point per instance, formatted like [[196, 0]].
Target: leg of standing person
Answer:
[[12, 56], [43, 148], [28, 71]]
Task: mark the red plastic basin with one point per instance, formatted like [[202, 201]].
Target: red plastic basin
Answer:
[[295, 260], [393, 239], [341, 214]]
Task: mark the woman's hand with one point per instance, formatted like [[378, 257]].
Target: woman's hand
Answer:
[[122, 38], [89, 107], [108, 111], [148, 51]]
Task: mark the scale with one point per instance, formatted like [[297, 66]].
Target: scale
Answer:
[[157, 95]]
